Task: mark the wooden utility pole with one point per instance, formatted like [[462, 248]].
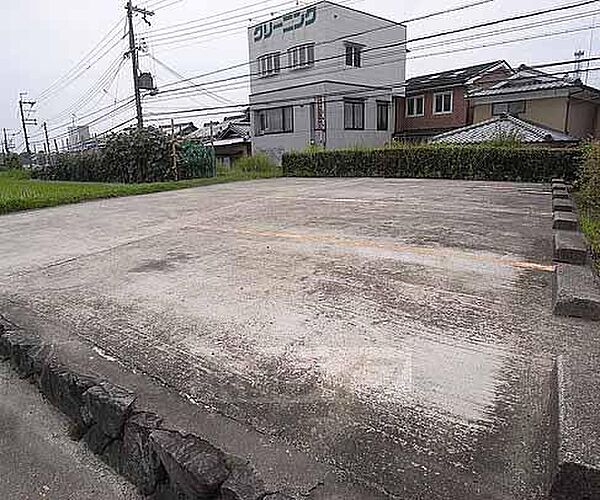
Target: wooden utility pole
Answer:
[[56, 146], [6, 143], [134, 58], [25, 121], [47, 141]]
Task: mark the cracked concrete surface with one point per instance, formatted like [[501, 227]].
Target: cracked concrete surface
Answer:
[[399, 330]]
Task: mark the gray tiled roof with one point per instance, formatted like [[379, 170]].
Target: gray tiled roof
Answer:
[[502, 126], [524, 87], [448, 78]]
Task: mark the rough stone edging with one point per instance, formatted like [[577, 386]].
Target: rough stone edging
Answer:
[[572, 479], [575, 289], [163, 463]]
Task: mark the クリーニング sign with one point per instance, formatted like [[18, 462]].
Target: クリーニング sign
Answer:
[[286, 23]]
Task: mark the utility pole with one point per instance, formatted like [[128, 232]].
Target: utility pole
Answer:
[[134, 58], [6, 143], [25, 121], [47, 141], [56, 146], [578, 55]]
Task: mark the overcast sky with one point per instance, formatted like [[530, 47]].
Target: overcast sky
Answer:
[[43, 39]]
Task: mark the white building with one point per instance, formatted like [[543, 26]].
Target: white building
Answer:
[[324, 74]]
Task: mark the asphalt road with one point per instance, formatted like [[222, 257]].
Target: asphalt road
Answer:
[[398, 329], [37, 458]]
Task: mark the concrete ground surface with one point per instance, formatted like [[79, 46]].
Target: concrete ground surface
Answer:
[[37, 458], [397, 330]]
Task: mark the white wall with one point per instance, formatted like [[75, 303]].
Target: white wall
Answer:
[[329, 76]]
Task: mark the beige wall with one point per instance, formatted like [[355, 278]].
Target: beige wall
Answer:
[[549, 112], [582, 119], [482, 112]]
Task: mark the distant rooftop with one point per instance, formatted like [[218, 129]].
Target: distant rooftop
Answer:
[[504, 126], [451, 77]]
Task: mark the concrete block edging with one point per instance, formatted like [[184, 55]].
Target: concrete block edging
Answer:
[[163, 463]]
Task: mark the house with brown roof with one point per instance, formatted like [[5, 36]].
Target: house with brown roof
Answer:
[[562, 103], [437, 102]]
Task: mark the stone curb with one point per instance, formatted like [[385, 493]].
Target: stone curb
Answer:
[[573, 479], [562, 205], [569, 247], [163, 463], [576, 292], [566, 221], [560, 194]]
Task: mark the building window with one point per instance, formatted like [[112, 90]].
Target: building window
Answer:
[[442, 103], [275, 120], [269, 64], [415, 106], [383, 109], [354, 114], [508, 108], [302, 56], [354, 55]]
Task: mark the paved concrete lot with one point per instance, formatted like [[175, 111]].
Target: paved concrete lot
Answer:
[[398, 329], [37, 458]]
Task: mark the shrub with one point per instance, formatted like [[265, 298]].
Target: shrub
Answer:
[[474, 162], [10, 161], [257, 164], [588, 182], [133, 156]]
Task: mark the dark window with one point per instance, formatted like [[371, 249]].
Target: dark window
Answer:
[[442, 103], [269, 64], [415, 106], [353, 55], [354, 114], [508, 108], [383, 109], [302, 56], [275, 120]]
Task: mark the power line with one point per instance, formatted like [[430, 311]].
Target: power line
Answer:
[[80, 68], [186, 91], [389, 45]]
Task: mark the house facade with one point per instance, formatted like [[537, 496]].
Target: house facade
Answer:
[[437, 103], [563, 104], [324, 75]]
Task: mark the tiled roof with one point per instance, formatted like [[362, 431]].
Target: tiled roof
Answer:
[[223, 130], [448, 78], [502, 127], [526, 86]]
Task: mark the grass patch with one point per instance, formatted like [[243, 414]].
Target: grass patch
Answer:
[[19, 192], [589, 222]]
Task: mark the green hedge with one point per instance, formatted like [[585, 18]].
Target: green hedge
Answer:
[[134, 156], [477, 162]]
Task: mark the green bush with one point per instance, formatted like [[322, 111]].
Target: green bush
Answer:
[[474, 162], [588, 182], [10, 161], [133, 156], [257, 164]]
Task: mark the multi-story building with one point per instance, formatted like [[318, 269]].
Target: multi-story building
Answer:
[[437, 102], [563, 104], [324, 74]]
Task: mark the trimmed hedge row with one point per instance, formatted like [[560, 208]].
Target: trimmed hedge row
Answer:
[[477, 162], [134, 156]]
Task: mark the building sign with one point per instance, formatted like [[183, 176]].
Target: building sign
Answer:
[[286, 23]]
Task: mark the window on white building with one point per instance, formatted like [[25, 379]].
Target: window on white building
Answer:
[[301, 56], [269, 64], [508, 108], [275, 120], [354, 114], [383, 111], [442, 103], [354, 55], [415, 106]]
